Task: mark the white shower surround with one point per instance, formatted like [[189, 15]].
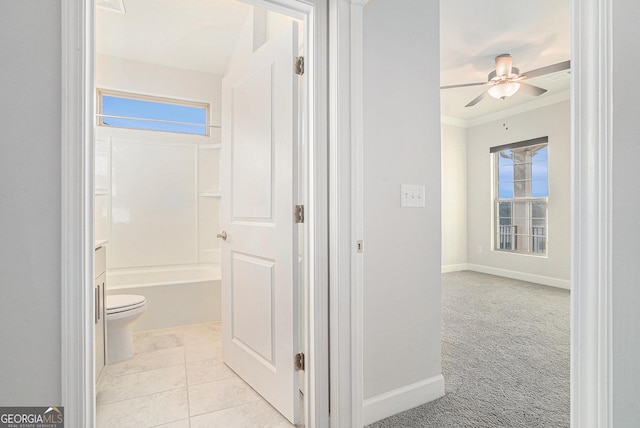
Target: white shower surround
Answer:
[[177, 295]]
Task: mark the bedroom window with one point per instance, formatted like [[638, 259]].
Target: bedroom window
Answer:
[[521, 196], [125, 110]]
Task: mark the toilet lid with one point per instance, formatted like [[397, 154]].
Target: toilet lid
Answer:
[[120, 302]]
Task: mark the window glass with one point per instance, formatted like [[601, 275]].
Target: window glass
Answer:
[[506, 190], [505, 158], [522, 188], [161, 115]]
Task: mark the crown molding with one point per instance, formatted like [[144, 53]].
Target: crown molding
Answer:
[[454, 121], [519, 109]]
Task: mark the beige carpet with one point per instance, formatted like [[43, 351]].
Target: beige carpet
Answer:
[[505, 356]]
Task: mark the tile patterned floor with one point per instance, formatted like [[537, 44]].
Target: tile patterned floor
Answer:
[[177, 379]]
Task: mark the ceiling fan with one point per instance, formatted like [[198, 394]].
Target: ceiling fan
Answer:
[[506, 80]]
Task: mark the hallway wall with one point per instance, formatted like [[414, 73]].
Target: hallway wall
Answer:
[[30, 200], [401, 278], [624, 214]]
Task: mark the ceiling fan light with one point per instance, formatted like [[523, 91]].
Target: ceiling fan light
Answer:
[[504, 90]]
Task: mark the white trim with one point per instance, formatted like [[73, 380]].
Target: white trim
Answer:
[[455, 268], [317, 414], [522, 276], [346, 218], [340, 215], [591, 334], [454, 121], [357, 210], [78, 90], [401, 399], [77, 379]]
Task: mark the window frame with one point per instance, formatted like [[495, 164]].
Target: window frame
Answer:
[[527, 200], [101, 92]]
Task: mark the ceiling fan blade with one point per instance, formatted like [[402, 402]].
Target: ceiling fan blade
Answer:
[[531, 90], [565, 65], [463, 85], [477, 99]]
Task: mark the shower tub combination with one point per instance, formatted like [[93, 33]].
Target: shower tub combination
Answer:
[[176, 296]]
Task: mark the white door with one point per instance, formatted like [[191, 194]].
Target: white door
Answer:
[[259, 181]]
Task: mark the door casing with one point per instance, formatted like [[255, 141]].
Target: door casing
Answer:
[[77, 235]]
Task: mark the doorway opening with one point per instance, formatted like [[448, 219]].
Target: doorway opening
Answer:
[[171, 204], [506, 200]]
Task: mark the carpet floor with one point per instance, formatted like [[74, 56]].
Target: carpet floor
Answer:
[[505, 356]]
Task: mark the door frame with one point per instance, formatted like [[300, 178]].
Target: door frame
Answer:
[[591, 191], [77, 232]]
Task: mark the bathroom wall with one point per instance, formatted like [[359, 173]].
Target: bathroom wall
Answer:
[[454, 197], [157, 193], [554, 269]]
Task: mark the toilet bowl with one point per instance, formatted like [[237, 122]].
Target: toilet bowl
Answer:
[[122, 310]]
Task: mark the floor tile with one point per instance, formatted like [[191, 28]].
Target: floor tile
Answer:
[[150, 343], [117, 388], [218, 395], [206, 371], [178, 372], [184, 423], [147, 361], [200, 333], [255, 414], [203, 351], [146, 411]]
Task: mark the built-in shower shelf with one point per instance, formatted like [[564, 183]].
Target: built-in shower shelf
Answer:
[[101, 191], [210, 194], [213, 146]]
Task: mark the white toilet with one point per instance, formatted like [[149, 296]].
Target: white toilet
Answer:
[[122, 310]]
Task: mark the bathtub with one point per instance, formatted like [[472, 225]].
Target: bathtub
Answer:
[[176, 296]]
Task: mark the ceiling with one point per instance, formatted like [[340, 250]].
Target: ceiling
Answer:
[[472, 33], [201, 35], [196, 35]]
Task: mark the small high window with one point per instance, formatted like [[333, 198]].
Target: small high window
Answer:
[[521, 196], [124, 110]]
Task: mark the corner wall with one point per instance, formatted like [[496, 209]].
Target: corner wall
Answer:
[[402, 252], [554, 269], [454, 198]]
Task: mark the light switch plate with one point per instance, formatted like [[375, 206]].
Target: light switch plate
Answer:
[[412, 195]]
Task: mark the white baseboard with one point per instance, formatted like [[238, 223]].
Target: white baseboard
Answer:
[[522, 276], [401, 399], [455, 268]]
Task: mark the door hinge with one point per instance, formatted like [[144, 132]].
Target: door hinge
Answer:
[[298, 214], [360, 246], [298, 67], [298, 362]]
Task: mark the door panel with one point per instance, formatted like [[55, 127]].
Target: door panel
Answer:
[[253, 147], [259, 176], [253, 282]]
